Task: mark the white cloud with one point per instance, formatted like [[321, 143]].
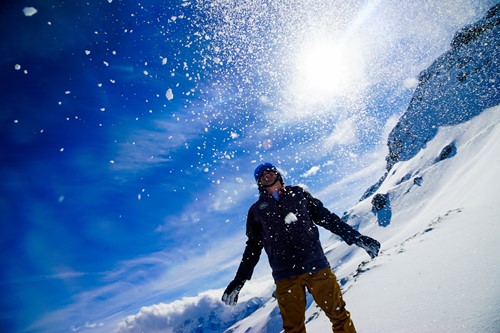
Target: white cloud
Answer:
[[151, 146], [228, 194], [191, 313], [344, 133], [148, 280], [389, 125], [314, 170], [344, 193]]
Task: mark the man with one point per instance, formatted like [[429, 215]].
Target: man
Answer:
[[283, 222]]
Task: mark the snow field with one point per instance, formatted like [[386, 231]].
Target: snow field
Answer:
[[438, 270]]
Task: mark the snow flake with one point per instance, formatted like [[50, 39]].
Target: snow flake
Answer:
[[169, 94], [290, 218], [30, 11], [411, 83]]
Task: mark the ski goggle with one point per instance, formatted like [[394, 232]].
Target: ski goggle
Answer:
[[264, 167]]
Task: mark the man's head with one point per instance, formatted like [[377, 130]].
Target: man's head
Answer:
[[266, 175]]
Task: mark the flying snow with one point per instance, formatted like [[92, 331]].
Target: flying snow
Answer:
[[169, 94], [290, 218], [30, 11]]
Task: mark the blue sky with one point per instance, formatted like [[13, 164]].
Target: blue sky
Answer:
[[131, 131]]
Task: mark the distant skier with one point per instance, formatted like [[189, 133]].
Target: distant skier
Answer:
[[283, 222]]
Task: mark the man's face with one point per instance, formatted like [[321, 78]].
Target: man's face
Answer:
[[268, 178]]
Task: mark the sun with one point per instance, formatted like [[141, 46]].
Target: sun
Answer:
[[326, 69]]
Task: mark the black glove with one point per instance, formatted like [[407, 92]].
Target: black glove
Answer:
[[370, 245], [230, 296]]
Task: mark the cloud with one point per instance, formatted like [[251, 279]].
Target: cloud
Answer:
[[154, 143], [205, 311], [343, 193], [149, 147], [147, 280], [344, 134], [164, 317], [312, 171], [231, 193]]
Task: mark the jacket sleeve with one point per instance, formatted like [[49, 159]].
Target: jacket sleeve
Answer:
[[330, 221], [253, 249]]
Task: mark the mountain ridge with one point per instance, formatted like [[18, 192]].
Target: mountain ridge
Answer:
[[467, 78]]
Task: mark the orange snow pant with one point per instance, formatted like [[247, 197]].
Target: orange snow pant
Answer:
[[323, 286]]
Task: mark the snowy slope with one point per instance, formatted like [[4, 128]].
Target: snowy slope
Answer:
[[438, 269]]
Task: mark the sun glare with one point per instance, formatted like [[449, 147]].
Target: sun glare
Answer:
[[326, 69]]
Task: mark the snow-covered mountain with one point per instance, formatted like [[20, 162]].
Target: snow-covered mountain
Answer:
[[435, 212], [455, 88], [458, 86]]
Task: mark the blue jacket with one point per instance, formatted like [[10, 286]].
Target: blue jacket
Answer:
[[287, 230]]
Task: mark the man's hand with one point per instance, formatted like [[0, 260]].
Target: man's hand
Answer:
[[230, 296], [370, 245]]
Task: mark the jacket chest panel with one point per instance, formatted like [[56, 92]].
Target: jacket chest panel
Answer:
[[289, 215]]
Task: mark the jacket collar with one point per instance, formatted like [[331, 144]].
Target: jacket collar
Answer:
[[268, 197]]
